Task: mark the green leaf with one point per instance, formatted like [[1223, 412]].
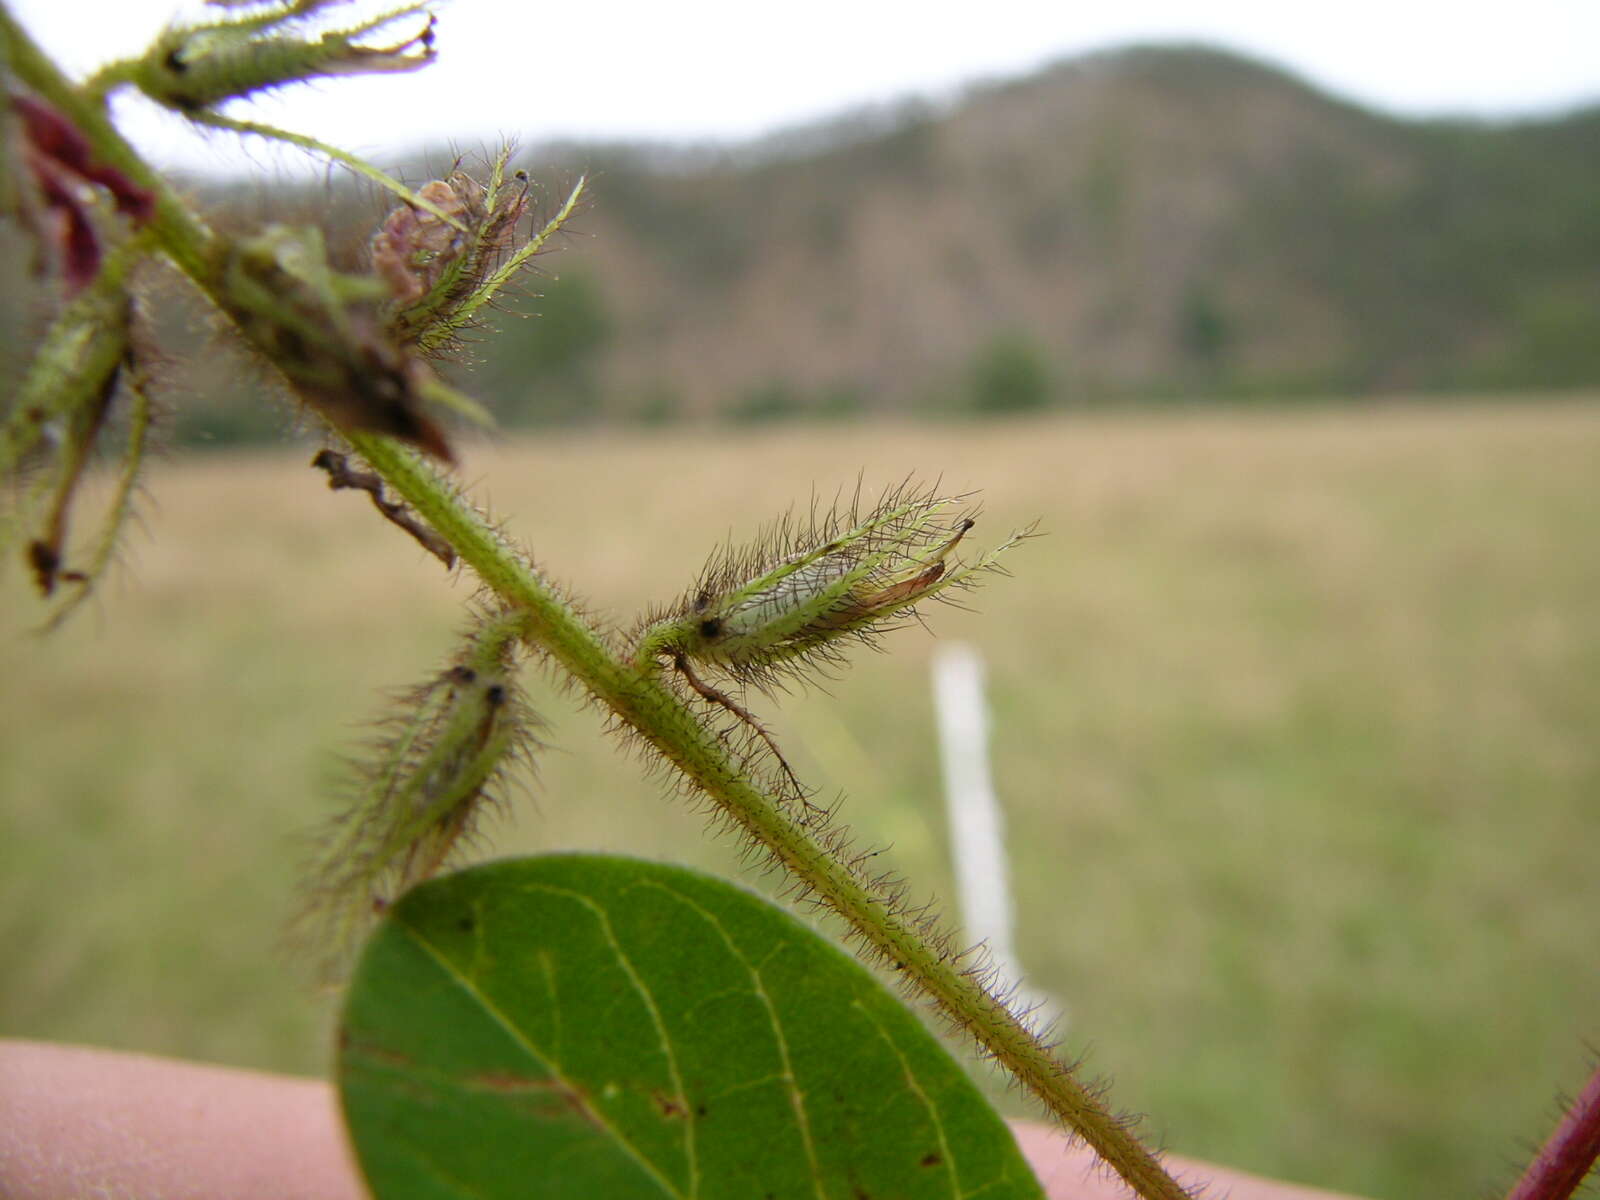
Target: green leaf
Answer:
[[583, 1026]]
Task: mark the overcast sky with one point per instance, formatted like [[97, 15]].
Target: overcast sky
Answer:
[[733, 70]]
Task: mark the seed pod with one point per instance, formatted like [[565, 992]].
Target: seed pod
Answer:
[[196, 67], [83, 374], [792, 600], [449, 745]]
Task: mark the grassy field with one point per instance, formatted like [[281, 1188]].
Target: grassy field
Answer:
[[1295, 720]]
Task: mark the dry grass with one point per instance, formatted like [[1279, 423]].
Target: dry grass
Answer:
[[1295, 723]]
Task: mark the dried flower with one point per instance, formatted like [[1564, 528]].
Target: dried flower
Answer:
[[432, 268]]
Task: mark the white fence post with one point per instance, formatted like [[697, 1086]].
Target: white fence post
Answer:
[[977, 829]]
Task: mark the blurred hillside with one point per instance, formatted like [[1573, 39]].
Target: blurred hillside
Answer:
[[1146, 224], [1152, 222]]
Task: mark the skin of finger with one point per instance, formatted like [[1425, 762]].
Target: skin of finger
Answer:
[[76, 1121]]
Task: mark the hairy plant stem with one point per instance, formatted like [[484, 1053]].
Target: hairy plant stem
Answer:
[[183, 236], [638, 697], [1568, 1154]]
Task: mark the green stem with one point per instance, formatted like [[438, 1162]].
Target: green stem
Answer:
[[637, 695]]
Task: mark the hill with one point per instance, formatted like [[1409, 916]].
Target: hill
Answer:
[[1160, 221], [1157, 222]]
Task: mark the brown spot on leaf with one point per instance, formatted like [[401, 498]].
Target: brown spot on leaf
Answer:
[[546, 1097], [667, 1105], [373, 1052]]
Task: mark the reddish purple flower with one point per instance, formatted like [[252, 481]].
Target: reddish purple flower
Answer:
[[62, 162]]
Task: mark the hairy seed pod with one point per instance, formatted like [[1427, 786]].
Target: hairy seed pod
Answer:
[[792, 600], [62, 410], [196, 67], [447, 747]]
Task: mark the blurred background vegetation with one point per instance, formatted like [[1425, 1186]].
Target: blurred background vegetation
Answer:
[[1295, 707]]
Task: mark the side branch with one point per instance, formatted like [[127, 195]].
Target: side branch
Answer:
[[342, 475]]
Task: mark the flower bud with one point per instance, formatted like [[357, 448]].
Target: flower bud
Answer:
[[66, 398]]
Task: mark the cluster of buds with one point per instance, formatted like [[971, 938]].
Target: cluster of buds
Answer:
[[193, 68], [437, 257], [351, 346]]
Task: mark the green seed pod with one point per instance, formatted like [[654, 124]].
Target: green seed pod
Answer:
[[447, 748], [792, 600], [62, 409], [197, 67]]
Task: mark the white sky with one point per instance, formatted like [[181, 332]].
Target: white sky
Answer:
[[726, 70]]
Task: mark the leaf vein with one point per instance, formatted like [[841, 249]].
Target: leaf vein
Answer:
[[516, 1035], [797, 1099]]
